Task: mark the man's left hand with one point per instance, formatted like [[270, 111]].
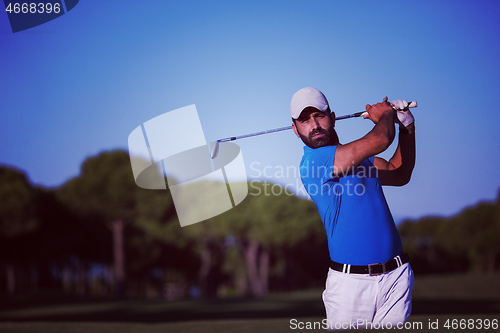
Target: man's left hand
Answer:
[[399, 105], [405, 118]]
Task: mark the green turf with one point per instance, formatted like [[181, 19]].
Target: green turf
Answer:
[[418, 323], [463, 286], [435, 298]]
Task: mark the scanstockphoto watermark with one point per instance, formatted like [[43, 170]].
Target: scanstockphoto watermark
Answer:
[[348, 186], [352, 325], [258, 188], [200, 188], [310, 170]]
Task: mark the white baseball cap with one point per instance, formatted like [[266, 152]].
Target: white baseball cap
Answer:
[[307, 97]]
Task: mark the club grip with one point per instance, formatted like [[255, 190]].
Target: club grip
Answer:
[[412, 104]]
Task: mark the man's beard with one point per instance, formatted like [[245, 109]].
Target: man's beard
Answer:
[[328, 139]]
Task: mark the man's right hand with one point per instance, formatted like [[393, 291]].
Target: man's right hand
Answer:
[[376, 111]]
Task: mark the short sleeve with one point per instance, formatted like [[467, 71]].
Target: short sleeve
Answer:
[[317, 165]]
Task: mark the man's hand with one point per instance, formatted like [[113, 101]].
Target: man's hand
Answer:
[[405, 118], [399, 105], [375, 112]]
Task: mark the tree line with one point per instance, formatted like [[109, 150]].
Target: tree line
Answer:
[[101, 234], [466, 242]]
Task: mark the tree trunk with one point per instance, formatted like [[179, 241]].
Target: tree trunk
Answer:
[[117, 227], [257, 268], [81, 278], [490, 262], [46, 280], [33, 276], [66, 278], [240, 282], [264, 269], [206, 263], [110, 280], [11, 278]]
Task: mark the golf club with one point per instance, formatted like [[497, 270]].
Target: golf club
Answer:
[[215, 148]]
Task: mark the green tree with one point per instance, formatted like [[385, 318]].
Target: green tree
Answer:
[[106, 188], [17, 217], [245, 244], [421, 240], [63, 236], [164, 247], [466, 241], [263, 223], [477, 231]]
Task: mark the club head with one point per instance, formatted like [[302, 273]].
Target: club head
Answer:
[[215, 150]]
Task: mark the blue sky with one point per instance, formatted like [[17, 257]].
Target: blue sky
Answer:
[[79, 84]]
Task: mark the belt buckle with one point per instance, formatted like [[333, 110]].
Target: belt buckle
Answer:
[[376, 265]]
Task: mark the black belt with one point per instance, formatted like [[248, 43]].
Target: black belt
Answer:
[[372, 269]]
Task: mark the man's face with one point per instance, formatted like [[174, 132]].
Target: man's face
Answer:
[[315, 128]]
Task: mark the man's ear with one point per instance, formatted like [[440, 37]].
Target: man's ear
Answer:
[[332, 118], [295, 130]]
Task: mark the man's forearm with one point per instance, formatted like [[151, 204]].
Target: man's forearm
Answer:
[[383, 132], [373, 143], [404, 157]]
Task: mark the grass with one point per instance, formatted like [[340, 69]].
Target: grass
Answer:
[[435, 298], [463, 286], [419, 323]]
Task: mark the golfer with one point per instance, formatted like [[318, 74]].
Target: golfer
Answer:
[[370, 279]]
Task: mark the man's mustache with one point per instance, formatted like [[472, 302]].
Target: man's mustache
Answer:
[[318, 131]]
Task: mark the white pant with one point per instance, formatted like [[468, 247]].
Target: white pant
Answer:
[[360, 298]]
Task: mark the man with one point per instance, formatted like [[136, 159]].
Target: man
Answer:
[[369, 280]]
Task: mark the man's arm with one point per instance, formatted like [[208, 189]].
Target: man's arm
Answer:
[[397, 171], [373, 143]]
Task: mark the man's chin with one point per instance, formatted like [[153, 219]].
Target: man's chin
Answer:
[[318, 143], [321, 144]]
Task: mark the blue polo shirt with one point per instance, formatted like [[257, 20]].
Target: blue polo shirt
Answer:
[[352, 206]]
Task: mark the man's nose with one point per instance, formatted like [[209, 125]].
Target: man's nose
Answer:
[[314, 123]]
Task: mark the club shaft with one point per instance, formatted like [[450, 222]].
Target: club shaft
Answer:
[[255, 134], [232, 138], [215, 147], [357, 114]]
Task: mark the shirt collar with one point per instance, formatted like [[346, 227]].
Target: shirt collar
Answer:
[[308, 149]]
